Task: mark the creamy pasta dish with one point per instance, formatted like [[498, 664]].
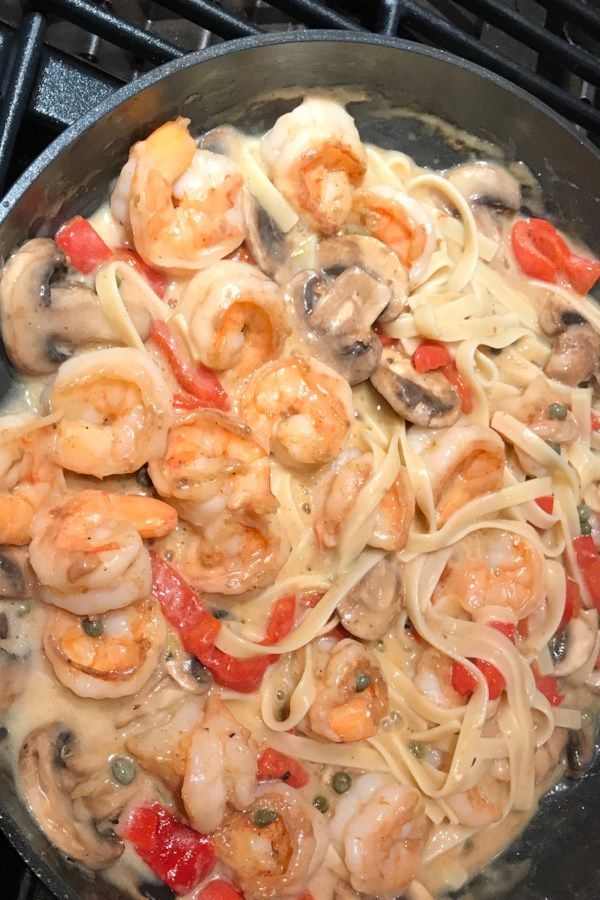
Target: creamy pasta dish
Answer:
[[299, 515]]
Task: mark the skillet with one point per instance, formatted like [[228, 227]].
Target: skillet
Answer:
[[558, 856]]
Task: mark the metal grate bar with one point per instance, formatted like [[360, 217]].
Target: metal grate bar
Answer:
[[581, 63], [19, 85], [576, 12], [389, 16], [315, 15], [214, 18], [105, 24]]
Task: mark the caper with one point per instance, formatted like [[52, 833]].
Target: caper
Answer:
[[321, 803], [557, 411], [93, 627], [363, 680], [123, 769], [554, 446], [585, 528], [584, 512], [262, 818], [417, 749], [341, 782], [23, 608]]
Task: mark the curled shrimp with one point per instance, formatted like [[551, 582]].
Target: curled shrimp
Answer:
[[401, 223], [237, 320], [433, 678], [352, 695], [108, 656], [463, 462], [87, 551], [490, 567], [476, 807], [213, 463], [234, 554], [280, 858], [315, 157], [394, 514], [28, 475], [381, 829], [183, 205], [116, 411], [221, 768], [299, 407]]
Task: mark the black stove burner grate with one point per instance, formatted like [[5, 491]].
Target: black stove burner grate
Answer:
[[58, 58]]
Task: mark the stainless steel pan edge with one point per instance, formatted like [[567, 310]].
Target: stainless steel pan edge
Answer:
[[556, 857]]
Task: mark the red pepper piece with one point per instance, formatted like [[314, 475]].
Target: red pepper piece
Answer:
[[542, 253], [546, 503], [548, 686], [82, 245], [572, 604], [462, 388], [184, 402], [273, 765], [197, 380], [582, 272], [386, 339], [219, 890], [183, 607], [179, 855], [591, 576], [430, 356], [594, 422], [464, 682], [585, 550], [507, 628]]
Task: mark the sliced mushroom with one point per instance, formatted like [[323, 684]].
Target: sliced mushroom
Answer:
[[487, 184], [556, 316], [575, 355], [369, 610], [266, 242], [579, 753], [339, 253], [579, 645], [45, 782], [189, 673], [17, 580], [336, 319], [428, 400], [14, 675], [45, 317]]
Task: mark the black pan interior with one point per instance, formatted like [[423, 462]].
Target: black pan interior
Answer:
[[557, 857]]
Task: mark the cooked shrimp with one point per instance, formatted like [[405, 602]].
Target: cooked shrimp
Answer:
[[234, 554], [237, 319], [476, 807], [162, 749], [401, 223], [463, 462], [221, 768], [183, 204], [299, 407], [395, 512], [112, 655], [275, 860], [28, 475], [381, 830], [533, 408], [315, 158], [87, 551], [116, 410], [433, 679], [212, 464], [493, 568], [352, 695]]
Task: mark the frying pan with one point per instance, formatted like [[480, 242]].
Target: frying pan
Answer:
[[558, 855]]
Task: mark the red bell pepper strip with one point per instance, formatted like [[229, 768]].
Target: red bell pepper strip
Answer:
[[273, 765], [462, 388], [542, 253], [157, 280], [431, 355], [184, 402], [546, 503], [582, 273], [585, 550], [179, 855], [386, 339], [594, 422], [245, 675], [82, 245], [572, 604], [183, 607], [219, 890], [464, 682], [591, 576], [548, 686], [506, 628], [197, 380]]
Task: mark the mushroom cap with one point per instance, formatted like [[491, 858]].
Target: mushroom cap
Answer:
[[266, 242], [486, 183], [370, 608], [575, 355], [428, 399], [43, 770]]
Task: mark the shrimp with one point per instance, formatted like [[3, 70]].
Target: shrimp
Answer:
[[476, 807], [28, 475], [212, 464], [433, 679], [116, 411], [463, 462], [401, 223], [533, 409], [352, 695], [112, 655], [381, 830], [183, 205], [299, 407], [221, 768], [491, 567], [162, 749], [234, 554], [394, 514], [87, 551], [315, 157], [237, 320], [278, 859]]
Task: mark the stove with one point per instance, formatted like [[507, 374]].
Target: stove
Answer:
[[58, 58]]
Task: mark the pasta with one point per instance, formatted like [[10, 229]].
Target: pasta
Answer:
[[335, 602]]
